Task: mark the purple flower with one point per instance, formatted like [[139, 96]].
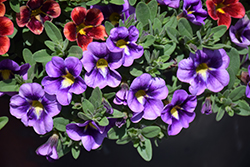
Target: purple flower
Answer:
[[180, 112], [144, 97], [122, 95], [114, 13], [248, 83], [8, 69], [90, 133], [100, 65], [64, 78], [49, 148], [123, 40], [192, 10], [170, 3], [204, 69], [240, 32], [207, 106], [34, 107]]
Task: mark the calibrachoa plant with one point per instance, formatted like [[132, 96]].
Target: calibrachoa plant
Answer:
[[80, 72]]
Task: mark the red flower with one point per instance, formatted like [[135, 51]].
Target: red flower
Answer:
[[36, 12], [223, 10], [2, 8], [6, 28], [86, 25]]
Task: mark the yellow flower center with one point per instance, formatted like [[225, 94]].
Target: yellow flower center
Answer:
[[220, 6], [69, 79], [5, 74], [121, 43], [81, 28], [140, 95], [38, 11], [91, 125], [102, 63], [174, 112], [114, 18], [202, 69], [38, 107]]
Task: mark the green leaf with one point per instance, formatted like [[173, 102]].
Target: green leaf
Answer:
[[132, 2], [237, 93], [42, 56], [108, 26], [109, 95], [124, 140], [51, 45], [3, 121], [96, 97], [75, 152], [115, 133], [75, 51], [172, 22], [143, 13], [93, 2], [27, 56], [173, 34], [151, 131], [169, 49], [234, 64], [8, 86], [145, 150], [244, 109], [232, 78], [53, 32], [117, 114], [117, 2], [84, 116], [220, 114], [218, 31], [136, 70], [184, 28], [153, 6], [104, 121], [87, 106], [215, 46], [149, 41], [14, 4], [60, 123], [28, 36]]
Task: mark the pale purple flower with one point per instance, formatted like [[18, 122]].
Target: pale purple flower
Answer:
[[192, 10], [90, 134], [180, 112], [170, 3], [8, 69], [207, 106], [204, 69], [144, 97], [34, 107], [100, 65], [122, 95], [114, 13], [124, 40], [49, 148], [240, 32], [247, 79], [64, 78]]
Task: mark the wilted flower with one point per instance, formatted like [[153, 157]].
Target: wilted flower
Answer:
[[49, 148], [145, 95], [204, 69], [6, 28], [207, 106], [223, 10], [122, 95], [34, 107], [90, 133], [240, 32], [85, 27], [36, 12], [100, 65], [123, 40], [114, 13], [180, 112], [2, 8], [192, 10], [64, 78], [8, 69], [170, 3]]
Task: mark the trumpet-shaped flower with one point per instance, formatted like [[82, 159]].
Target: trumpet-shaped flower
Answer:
[[6, 28], [204, 69], [8, 69], [180, 112], [90, 133], [34, 107], [144, 97], [207, 106], [223, 10], [170, 3], [100, 65], [35, 13], [64, 78], [2, 8], [240, 32], [122, 95], [123, 40], [248, 83], [85, 27], [192, 10], [49, 148]]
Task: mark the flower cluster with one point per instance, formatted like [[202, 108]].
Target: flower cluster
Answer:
[[81, 72]]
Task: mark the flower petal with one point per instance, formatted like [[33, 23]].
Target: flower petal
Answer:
[[51, 85], [217, 80], [69, 31], [157, 88], [34, 4], [23, 17], [113, 78], [152, 108], [83, 41], [74, 131], [35, 26], [211, 9], [73, 65], [224, 19], [133, 103], [32, 91], [236, 10], [18, 106], [98, 32], [2, 9], [52, 8], [7, 27], [78, 15], [4, 44], [78, 87], [94, 17], [95, 79], [56, 67], [63, 96]]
